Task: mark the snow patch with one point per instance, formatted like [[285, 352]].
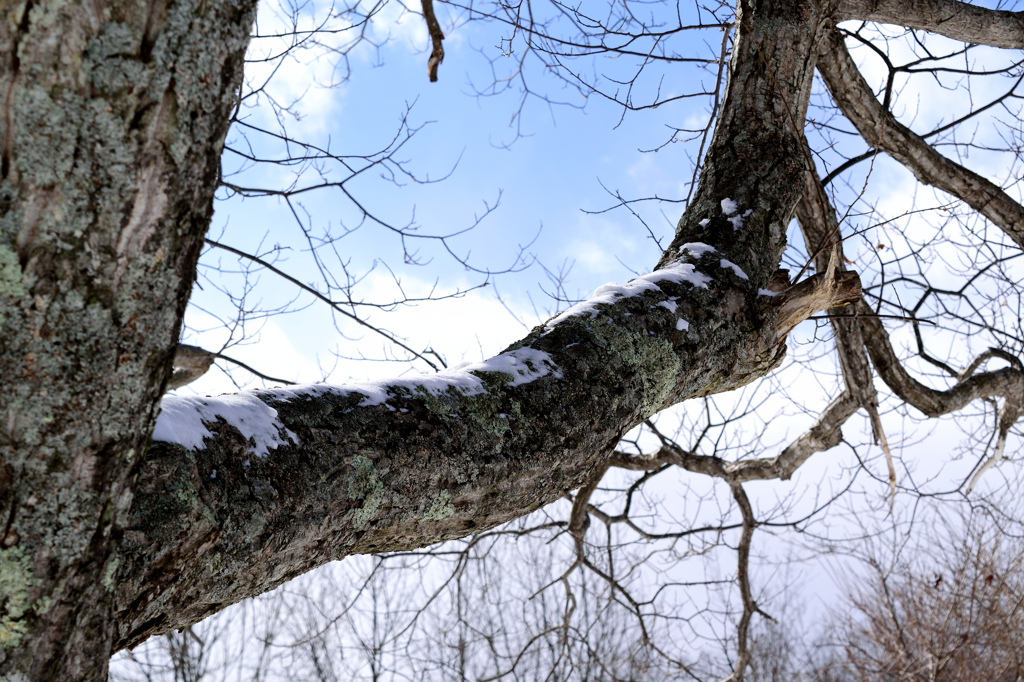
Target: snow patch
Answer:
[[682, 325], [737, 220], [735, 268], [181, 421], [729, 208], [610, 293], [669, 305], [523, 365], [695, 249], [704, 222], [767, 292]]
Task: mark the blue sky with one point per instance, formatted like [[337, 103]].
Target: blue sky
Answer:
[[547, 167]]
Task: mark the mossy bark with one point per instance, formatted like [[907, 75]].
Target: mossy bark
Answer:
[[112, 122]]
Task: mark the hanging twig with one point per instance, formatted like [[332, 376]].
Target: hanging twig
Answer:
[[436, 36]]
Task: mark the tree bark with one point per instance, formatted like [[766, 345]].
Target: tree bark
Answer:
[[114, 116]]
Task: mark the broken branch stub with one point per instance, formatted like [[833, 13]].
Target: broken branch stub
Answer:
[[814, 294], [436, 38]]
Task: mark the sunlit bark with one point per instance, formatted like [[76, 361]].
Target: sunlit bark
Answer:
[[113, 119]]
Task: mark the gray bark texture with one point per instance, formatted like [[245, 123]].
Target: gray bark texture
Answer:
[[114, 116]]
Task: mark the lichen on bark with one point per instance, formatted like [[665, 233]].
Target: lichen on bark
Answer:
[[113, 115], [16, 582]]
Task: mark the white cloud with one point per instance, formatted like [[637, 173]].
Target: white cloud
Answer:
[[465, 329]]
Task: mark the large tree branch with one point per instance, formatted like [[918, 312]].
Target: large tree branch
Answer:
[[242, 493], [1006, 383], [957, 20], [881, 130], [270, 484]]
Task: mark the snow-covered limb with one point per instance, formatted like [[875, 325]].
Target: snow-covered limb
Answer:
[[183, 419], [308, 474], [610, 293]]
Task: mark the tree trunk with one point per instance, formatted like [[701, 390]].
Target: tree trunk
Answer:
[[114, 116]]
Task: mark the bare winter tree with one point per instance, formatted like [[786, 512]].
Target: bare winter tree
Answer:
[[115, 117], [950, 608]]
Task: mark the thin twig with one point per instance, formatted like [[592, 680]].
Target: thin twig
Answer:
[[436, 37]]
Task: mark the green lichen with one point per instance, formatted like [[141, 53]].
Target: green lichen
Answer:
[[440, 508], [653, 357], [10, 273], [15, 582], [443, 404], [486, 410], [108, 575], [10, 276], [364, 487], [187, 494], [483, 410]]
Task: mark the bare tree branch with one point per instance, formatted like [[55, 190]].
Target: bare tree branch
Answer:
[[1007, 382], [880, 129], [950, 18]]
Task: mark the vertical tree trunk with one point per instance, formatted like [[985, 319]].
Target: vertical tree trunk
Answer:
[[114, 116]]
